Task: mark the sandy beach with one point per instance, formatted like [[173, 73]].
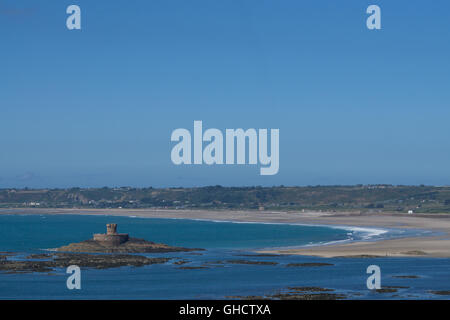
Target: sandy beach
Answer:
[[426, 246]]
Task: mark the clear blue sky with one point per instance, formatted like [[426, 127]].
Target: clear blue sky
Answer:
[[96, 107]]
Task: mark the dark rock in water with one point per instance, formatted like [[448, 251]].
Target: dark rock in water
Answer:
[[258, 255], [182, 261], [192, 268], [293, 296], [309, 264], [297, 293], [113, 242], [386, 290], [247, 297], [441, 292], [309, 289], [308, 296], [63, 260], [361, 256], [265, 263], [390, 289], [308, 293]]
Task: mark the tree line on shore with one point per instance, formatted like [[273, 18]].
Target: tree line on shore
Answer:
[[363, 198]]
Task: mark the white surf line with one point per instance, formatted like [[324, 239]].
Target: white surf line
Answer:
[[369, 232]]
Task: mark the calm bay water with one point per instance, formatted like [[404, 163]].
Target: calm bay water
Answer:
[[223, 241], [31, 232]]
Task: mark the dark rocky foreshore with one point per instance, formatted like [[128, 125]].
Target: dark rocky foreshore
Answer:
[[297, 293], [48, 262]]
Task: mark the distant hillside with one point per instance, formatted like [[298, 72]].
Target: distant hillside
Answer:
[[425, 199]]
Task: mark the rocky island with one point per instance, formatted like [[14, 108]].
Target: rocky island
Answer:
[[114, 242]]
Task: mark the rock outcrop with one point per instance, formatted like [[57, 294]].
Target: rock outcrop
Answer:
[[113, 242], [49, 262]]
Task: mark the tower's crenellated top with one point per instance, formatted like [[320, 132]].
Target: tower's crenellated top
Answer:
[[111, 228]]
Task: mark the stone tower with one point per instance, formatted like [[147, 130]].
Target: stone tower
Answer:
[[111, 228], [111, 237]]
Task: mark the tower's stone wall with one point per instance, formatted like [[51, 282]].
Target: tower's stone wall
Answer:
[[111, 237]]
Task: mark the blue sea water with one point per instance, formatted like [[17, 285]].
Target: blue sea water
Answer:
[[32, 232], [223, 241]]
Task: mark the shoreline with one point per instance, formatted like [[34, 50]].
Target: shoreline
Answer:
[[409, 246]]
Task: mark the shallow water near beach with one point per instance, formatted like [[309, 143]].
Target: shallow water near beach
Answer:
[[213, 273]]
